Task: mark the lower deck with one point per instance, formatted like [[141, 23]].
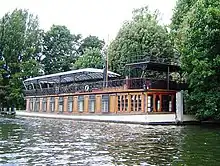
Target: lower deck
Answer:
[[139, 102]]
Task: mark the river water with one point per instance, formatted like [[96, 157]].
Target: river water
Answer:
[[39, 141]]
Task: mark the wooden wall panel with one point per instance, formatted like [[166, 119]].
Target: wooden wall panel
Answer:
[[112, 103], [65, 103], [98, 103], [75, 104], [129, 102], [154, 103], [56, 104], [86, 104]]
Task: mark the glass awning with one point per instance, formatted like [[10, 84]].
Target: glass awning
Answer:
[[71, 76]]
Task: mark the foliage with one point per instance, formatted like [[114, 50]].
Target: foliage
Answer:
[[20, 40], [90, 42], [199, 44], [181, 9], [59, 49], [92, 58], [142, 36]]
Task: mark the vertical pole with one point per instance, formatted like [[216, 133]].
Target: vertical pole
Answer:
[[168, 79]]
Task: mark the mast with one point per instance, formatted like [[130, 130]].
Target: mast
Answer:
[[107, 62]]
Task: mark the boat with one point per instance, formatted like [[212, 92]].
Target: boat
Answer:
[[101, 95]]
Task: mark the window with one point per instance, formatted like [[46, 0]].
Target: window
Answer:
[[80, 103], [92, 103], [60, 104], [123, 103], [139, 101], [105, 103], [37, 105], [31, 105], [44, 104], [52, 104], [149, 103], [70, 104]]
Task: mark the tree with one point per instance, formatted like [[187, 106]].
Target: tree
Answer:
[[20, 38], [180, 11], [142, 36], [59, 49], [92, 58], [199, 45], [90, 42]]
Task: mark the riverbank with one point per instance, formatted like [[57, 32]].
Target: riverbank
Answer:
[[148, 119]]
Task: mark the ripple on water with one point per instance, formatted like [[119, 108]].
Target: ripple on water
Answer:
[[30, 141]]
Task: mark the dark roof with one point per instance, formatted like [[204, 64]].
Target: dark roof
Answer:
[[154, 65], [71, 76]]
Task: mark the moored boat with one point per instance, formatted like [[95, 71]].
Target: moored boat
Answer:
[[83, 93]]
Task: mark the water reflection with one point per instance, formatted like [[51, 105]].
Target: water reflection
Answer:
[[32, 141]]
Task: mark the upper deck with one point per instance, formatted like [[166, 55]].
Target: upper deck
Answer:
[[91, 80]]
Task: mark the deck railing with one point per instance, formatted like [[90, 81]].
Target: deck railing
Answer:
[[139, 83]]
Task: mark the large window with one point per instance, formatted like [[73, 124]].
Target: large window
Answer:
[[105, 103], [37, 105], [92, 103], [52, 104], [123, 103], [80, 103], [60, 104], [44, 104], [70, 104]]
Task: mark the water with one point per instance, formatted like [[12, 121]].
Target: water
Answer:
[[38, 141]]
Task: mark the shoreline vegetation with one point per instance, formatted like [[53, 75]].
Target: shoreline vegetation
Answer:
[[193, 37]]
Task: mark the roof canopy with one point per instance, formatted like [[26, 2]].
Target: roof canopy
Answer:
[[71, 76], [159, 64]]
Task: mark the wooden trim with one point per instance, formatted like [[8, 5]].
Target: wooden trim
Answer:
[[116, 103], [162, 91], [75, 104], [142, 102], [154, 103], [56, 104], [129, 102], [160, 98], [124, 97], [86, 104], [146, 103], [172, 103], [112, 103], [134, 103], [120, 103], [65, 104], [98, 104]]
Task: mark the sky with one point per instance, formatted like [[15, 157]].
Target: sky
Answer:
[[102, 18]]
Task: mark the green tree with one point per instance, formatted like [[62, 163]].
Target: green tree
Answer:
[[90, 42], [142, 36], [59, 49], [180, 11], [20, 39], [92, 58], [199, 45]]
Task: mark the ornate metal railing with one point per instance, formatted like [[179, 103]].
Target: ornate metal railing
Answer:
[[134, 83]]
